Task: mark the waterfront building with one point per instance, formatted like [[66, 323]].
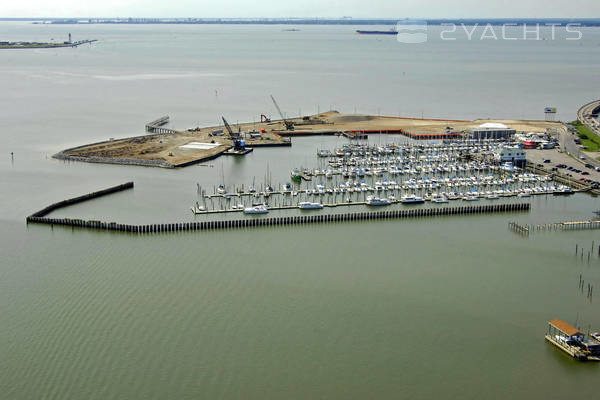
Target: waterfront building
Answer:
[[511, 154], [491, 130]]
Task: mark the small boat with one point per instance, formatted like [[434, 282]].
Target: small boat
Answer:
[[296, 175], [562, 192], [308, 205], [439, 199], [376, 201], [524, 195], [470, 197], [259, 209], [198, 209], [492, 196], [411, 199]]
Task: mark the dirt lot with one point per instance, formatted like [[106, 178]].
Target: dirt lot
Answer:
[[350, 122], [166, 147]]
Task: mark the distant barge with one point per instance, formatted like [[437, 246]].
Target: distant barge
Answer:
[[390, 32], [573, 342]]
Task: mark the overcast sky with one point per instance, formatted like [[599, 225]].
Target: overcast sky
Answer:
[[302, 8]]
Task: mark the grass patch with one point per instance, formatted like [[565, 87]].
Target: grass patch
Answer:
[[588, 138]]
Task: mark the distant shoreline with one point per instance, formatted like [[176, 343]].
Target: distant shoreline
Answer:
[[37, 45], [584, 22]]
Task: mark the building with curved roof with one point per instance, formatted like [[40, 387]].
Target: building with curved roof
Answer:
[[492, 130]]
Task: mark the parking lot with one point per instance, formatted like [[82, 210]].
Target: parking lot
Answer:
[[540, 158]]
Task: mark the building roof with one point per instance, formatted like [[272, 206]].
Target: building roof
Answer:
[[564, 327], [493, 125]]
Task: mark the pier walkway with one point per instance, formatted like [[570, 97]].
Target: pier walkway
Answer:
[[156, 126]]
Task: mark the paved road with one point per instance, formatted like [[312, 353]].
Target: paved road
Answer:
[[587, 110], [567, 139]]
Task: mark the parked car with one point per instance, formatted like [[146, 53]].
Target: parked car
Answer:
[[589, 166], [546, 161], [585, 173]]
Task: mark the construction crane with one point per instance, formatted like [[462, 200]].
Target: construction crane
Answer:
[[236, 137], [289, 125]]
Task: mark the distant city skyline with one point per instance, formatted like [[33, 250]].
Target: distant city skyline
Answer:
[[301, 8]]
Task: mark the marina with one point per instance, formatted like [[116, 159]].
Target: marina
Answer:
[[298, 302], [363, 174]]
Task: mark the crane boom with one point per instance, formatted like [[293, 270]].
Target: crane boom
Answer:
[[232, 134], [288, 124], [239, 144]]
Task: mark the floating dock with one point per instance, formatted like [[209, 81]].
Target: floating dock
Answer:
[[569, 339]]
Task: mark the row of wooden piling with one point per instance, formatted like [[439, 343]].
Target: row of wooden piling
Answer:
[[280, 221], [590, 288], [64, 203], [518, 228], [577, 225], [564, 226]]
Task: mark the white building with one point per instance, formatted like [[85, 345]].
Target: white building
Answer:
[[492, 130], [511, 154]]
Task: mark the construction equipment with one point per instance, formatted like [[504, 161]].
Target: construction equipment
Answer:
[[236, 137], [289, 125], [264, 118]]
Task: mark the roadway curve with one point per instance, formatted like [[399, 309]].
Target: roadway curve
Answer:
[[567, 140], [587, 110]]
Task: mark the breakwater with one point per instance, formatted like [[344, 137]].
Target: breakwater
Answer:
[[279, 221], [40, 215]]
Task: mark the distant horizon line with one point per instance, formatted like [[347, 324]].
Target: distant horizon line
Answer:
[[583, 21], [345, 18]]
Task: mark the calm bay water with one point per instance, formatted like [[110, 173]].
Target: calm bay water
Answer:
[[447, 307]]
